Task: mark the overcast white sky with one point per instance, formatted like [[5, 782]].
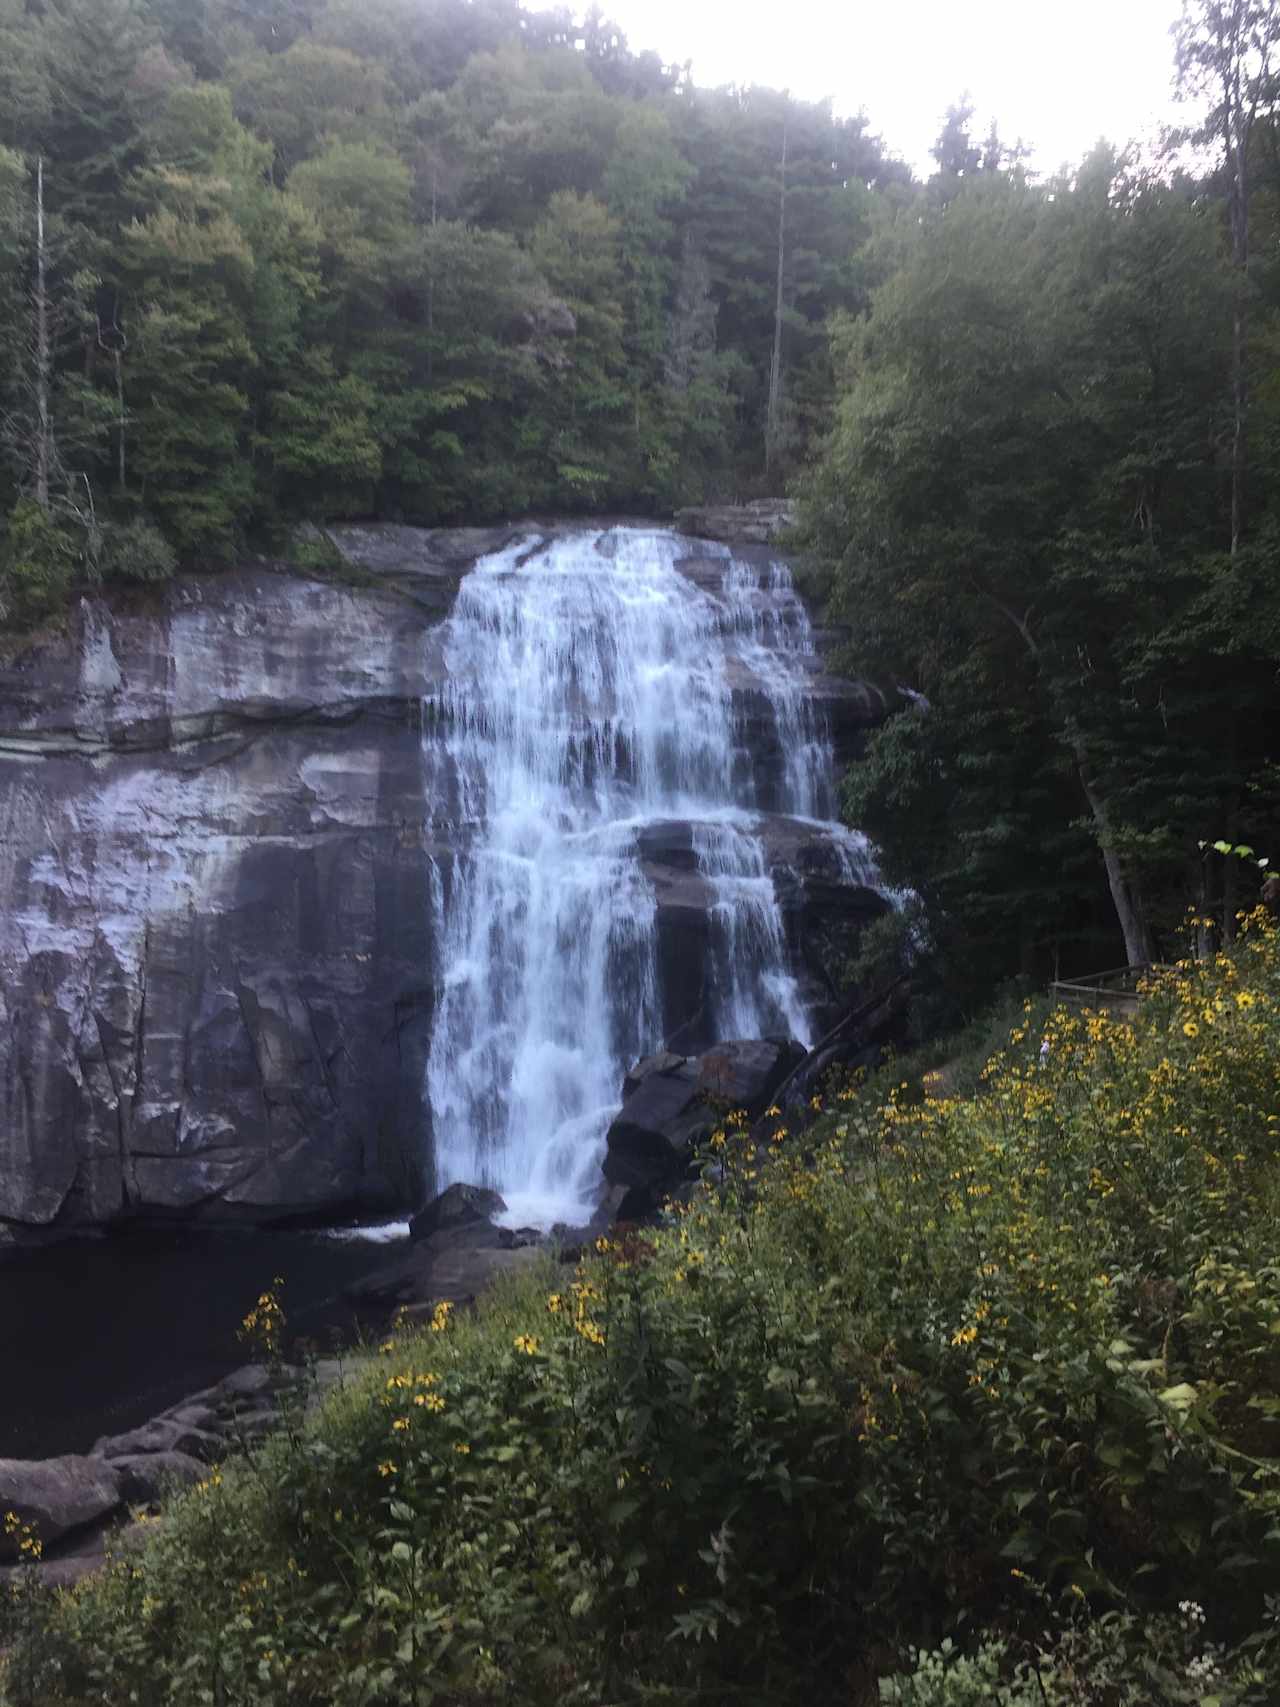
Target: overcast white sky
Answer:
[[1059, 75]]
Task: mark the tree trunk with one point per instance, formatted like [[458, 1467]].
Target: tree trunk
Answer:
[[43, 362], [1240, 402], [775, 366], [1202, 882], [1230, 896], [1239, 109], [431, 284], [1238, 160], [1125, 895], [120, 422]]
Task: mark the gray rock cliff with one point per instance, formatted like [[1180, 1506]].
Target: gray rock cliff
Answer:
[[216, 933]]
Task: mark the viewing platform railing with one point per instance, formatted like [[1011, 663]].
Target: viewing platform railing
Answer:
[[1118, 990]]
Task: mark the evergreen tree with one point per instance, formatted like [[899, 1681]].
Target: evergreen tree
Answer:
[[1043, 367]]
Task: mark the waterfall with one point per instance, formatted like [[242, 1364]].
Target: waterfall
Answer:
[[589, 693]]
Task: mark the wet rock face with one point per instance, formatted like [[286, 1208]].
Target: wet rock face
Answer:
[[217, 934], [762, 521], [215, 941], [813, 892]]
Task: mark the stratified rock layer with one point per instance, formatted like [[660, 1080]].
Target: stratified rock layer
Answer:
[[216, 929]]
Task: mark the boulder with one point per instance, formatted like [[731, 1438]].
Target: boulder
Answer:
[[56, 1496], [162, 1434], [745, 1074], [671, 1102], [251, 1382], [665, 1061], [651, 1137], [456, 1207], [457, 1276], [145, 1477], [84, 1553], [454, 1251]]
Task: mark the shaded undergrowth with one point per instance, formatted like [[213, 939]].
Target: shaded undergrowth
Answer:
[[950, 1399]]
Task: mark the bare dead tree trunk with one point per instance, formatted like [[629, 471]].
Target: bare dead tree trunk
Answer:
[[775, 366], [431, 280], [1125, 896], [1231, 898], [120, 422], [43, 360]]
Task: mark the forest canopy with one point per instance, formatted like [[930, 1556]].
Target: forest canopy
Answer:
[[431, 259]]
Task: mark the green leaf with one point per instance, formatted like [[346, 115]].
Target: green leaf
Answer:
[[1180, 1398]]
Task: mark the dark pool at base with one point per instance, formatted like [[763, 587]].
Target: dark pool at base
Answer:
[[98, 1335]]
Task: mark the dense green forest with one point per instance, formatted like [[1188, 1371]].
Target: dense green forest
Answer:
[[1048, 505], [438, 259], [447, 260]]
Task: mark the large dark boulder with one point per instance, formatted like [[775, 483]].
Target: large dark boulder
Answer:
[[744, 1075], [146, 1477], [458, 1207], [673, 1102], [652, 1135], [455, 1249], [55, 1496]]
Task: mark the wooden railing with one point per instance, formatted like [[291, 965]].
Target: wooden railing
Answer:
[[1118, 989]]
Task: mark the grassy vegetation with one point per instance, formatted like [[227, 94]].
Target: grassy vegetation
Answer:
[[945, 1400]]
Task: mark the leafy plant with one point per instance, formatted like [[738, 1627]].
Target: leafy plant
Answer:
[[910, 1367]]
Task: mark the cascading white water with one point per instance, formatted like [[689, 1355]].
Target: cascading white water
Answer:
[[755, 993], [590, 693]]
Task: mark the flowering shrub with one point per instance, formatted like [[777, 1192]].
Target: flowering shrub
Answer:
[[909, 1367]]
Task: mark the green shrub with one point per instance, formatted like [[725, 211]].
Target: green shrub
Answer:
[[312, 550], [923, 1367], [136, 551], [39, 562], [949, 1678], [1115, 1660]]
